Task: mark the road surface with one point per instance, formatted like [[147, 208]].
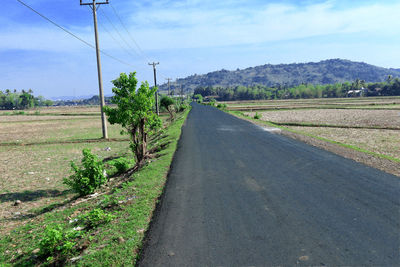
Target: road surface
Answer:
[[238, 195]]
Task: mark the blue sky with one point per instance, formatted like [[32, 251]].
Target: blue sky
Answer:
[[186, 37]]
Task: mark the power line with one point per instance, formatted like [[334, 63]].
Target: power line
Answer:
[[129, 34], [70, 33], [112, 36], [120, 35], [131, 37]]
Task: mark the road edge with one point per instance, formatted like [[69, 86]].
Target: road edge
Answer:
[[370, 159]]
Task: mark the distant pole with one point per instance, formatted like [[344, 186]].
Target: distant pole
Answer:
[[169, 79], [155, 83], [181, 93], [101, 95]]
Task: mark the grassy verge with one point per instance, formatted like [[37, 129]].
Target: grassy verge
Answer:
[[130, 202], [258, 121]]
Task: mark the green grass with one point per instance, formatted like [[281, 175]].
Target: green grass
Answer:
[[240, 114], [116, 243]]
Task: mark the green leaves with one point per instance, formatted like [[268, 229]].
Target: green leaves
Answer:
[[95, 218], [134, 111], [89, 177], [58, 241]]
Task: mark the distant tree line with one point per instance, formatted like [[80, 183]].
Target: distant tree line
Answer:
[[10, 100], [259, 92], [93, 101]]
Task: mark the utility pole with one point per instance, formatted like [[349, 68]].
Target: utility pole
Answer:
[[155, 83], [181, 93], [94, 7], [169, 79]]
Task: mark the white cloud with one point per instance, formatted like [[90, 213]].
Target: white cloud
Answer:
[[192, 26], [193, 23]]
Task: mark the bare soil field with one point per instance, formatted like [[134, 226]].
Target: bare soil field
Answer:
[[72, 110], [35, 155], [385, 142], [337, 103], [339, 117], [31, 129], [358, 127]]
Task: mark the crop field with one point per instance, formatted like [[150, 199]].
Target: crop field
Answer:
[[371, 125], [35, 153], [391, 103]]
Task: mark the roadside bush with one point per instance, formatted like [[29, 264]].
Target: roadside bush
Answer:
[[257, 116], [198, 98], [89, 177], [57, 241], [183, 107], [95, 218], [168, 103], [110, 201], [221, 106], [122, 164]]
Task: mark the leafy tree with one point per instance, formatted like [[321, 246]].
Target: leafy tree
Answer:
[[134, 112], [168, 103], [198, 97]]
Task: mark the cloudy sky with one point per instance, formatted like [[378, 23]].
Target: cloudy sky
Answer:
[[186, 37]]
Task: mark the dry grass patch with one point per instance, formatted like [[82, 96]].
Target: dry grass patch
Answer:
[[385, 142], [366, 118], [34, 173], [44, 128], [338, 103]]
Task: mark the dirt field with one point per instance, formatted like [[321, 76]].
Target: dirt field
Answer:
[[359, 123], [335, 103], [339, 117], [35, 155]]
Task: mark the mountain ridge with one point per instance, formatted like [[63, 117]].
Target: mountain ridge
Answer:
[[323, 72]]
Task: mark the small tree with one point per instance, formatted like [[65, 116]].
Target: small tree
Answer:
[[168, 103], [198, 98], [89, 176], [134, 111]]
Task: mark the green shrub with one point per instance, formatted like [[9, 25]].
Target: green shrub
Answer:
[[183, 107], [221, 106], [89, 177], [198, 98], [257, 116], [57, 241], [95, 218], [122, 164], [110, 201]]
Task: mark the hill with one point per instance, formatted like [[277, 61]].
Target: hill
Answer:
[[323, 72]]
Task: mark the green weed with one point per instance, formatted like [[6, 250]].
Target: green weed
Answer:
[[89, 177]]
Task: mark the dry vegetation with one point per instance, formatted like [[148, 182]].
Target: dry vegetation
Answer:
[[338, 117], [361, 123], [336, 103], [35, 155]]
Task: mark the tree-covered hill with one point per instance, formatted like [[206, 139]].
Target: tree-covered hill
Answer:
[[324, 72]]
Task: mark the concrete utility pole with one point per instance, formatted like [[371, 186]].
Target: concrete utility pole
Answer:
[[181, 93], [168, 79], [101, 95], [155, 83]]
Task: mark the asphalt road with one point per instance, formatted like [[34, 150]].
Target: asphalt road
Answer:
[[238, 195]]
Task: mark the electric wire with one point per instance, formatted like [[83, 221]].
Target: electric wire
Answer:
[[72, 34], [129, 34], [119, 34], [133, 39]]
